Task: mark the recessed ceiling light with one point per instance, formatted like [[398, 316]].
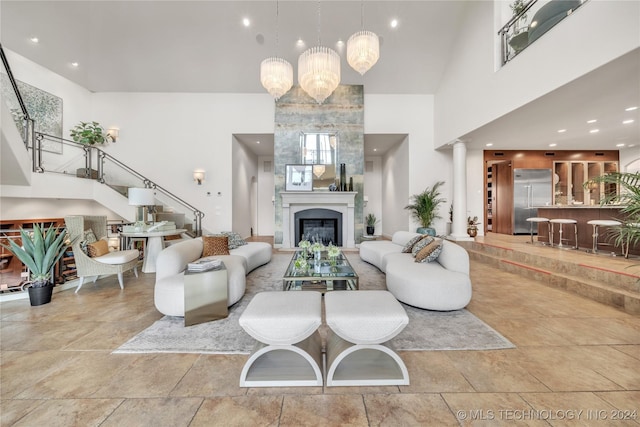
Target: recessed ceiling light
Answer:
[[632, 145], [246, 22], [34, 39], [562, 130], [489, 144], [626, 122], [340, 42], [553, 144], [631, 109], [594, 131], [591, 121], [619, 145], [300, 43], [257, 142], [74, 64], [375, 149], [394, 23]]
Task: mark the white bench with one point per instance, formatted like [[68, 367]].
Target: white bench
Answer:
[[360, 322], [289, 351]]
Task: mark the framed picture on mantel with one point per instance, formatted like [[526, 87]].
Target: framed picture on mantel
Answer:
[[298, 178]]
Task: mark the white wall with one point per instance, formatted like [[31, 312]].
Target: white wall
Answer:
[[395, 189], [373, 190], [165, 136], [244, 200], [472, 93], [266, 192]]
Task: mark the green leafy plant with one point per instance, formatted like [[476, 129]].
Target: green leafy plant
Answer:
[[517, 7], [40, 251], [371, 220], [628, 233], [424, 206], [89, 133]]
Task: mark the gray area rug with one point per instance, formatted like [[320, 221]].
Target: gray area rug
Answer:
[[427, 330]]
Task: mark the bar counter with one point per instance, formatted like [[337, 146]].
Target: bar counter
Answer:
[[583, 214]]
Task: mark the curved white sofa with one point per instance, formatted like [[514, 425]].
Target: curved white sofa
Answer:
[[172, 262], [441, 285]]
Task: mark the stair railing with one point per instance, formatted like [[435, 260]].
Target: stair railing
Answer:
[[25, 123], [72, 158]]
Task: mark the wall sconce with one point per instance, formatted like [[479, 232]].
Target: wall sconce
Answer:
[[198, 176], [365, 200], [113, 134]]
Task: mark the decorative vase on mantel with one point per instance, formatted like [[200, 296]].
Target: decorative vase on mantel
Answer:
[[343, 177]]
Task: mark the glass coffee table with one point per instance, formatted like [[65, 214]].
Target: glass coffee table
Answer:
[[321, 275]]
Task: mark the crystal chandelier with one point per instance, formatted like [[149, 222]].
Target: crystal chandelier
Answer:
[[363, 51], [363, 48], [276, 74], [319, 70]]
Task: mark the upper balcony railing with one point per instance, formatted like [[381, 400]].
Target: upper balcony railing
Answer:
[[530, 21]]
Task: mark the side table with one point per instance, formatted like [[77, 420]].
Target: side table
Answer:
[[205, 295]]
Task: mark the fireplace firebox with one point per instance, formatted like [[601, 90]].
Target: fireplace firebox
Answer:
[[324, 225]]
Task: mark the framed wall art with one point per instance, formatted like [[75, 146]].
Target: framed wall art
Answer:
[[298, 178]]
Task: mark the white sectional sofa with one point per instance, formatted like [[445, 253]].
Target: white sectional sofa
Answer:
[[173, 260], [442, 285]]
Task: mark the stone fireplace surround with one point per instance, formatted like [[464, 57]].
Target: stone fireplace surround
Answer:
[[339, 201]]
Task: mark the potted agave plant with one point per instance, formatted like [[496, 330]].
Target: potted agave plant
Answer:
[[40, 251], [371, 221]]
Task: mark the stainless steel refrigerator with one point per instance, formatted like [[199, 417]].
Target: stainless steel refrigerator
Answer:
[[531, 188]]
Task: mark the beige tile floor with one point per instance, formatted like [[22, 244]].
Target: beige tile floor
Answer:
[[577, 362]]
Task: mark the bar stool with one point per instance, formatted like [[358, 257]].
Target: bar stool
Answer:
[[562, 222], [596, 223], [538, 220]]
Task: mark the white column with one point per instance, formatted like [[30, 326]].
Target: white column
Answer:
[[459, 225]]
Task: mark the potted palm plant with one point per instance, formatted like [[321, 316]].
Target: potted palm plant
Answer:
[[371, 221], [628, 233], [40, 251], [424, 208]]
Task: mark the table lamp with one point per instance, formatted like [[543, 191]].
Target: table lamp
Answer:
[[141, 197]]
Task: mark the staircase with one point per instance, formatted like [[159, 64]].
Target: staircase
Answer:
[[614, 281]]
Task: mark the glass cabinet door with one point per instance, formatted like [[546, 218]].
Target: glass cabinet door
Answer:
[[577, 180], [561, 182], [610, 189], [594, 169]]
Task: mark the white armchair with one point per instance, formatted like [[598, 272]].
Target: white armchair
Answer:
[[116, 262]]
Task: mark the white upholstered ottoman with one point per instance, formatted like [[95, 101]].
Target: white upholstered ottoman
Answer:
[[360, 322], [289, 351]]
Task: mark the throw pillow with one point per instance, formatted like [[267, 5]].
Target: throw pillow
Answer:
[[235, 240], [88, 237], [98, 248], [215, 245], [430, 252], [421, 244], [407, 248]]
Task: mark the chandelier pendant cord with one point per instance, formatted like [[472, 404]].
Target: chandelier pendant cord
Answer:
[[319, 40]]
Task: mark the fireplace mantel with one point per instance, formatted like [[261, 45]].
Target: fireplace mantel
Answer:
[[339, 201]]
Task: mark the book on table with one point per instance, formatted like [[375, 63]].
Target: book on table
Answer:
[[204, 264]]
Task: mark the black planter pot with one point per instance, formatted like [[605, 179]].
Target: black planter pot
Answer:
[[41, 295], [370, 230]]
